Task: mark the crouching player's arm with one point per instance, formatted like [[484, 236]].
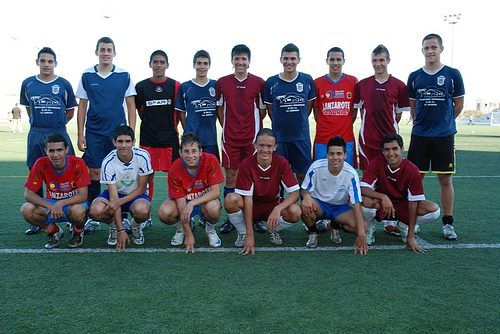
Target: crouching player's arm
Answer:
[[114, 208], [248, 216], [360, 245], [412, 221], [274, 217], [308, 206], [383, 199]]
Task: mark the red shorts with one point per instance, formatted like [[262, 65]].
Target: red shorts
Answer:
[[161, 157], [402, 212], [261, 211], [232, 156], [366, 154]]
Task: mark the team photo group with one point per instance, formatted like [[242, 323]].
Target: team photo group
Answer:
[[273, 177]]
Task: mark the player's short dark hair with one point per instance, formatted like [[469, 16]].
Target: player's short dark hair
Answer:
[[124, 130], [56, 138], [265, 132], [46, 50], [158, 53], [337, 141], [105, 40], [241, 48], [189, 138], [290, 47], [381, 49], [201, 54], [392, 137], [433, 36], [335, 49]]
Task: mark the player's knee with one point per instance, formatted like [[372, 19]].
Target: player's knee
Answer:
[[77, 214], [292, 214], [167, 213], [141, 210], [211, 210], [28, 210], [233, 202], [445, 180]]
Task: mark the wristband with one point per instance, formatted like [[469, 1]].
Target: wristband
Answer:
[[120, 230]]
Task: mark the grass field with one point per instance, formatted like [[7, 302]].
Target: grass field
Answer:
[[453, 288]]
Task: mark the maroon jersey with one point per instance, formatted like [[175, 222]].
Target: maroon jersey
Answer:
[[264, 185], [182, 184], [379, 102], [242, 101], [60, 184], [400, 185]]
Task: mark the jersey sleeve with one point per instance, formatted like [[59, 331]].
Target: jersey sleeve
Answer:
[[219, 96], [23, 97], [370, 176], [355, 189], [175, 186], [81, 93], [266, 92], [108, 173], [403, 99], [70, 96], [415, 186], [131, 88], [312, 89], [139, 101], [410, 86], [309, 179], [145, 167], [81, 172], [244, 181], [288, 179], [35, 177], [180, 101], [458, 84]]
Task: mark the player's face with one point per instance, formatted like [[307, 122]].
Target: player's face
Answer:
[[290, 60], [241, 63], [379, 63], [190, 154], [201, 66], [123, 144], [159, 65], [335, 62], [392, 153], [47, 64], [57, 154], [265, 146], [336, 157], [106, 53], [432, 50]]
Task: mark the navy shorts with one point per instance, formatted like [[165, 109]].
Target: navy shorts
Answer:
[[298, 154], [125, 207], [98, 147]]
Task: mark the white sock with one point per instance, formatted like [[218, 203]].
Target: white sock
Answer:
[[238, 220], [112, 225], [369, 215], [179, 226], [283, 224], [429, 217], [134, 224], [209, 227]]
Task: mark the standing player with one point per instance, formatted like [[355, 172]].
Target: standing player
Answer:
[[102, 89], [334, 109], [16, 119], [155, 102], [240, 111], [125, 172], [331, 191], [66, 179], [193, 187], [436, 98], [257, 195], [198, 106], [289, 98], [50, 103]]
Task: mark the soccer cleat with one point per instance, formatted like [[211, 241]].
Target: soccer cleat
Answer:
[[91, 226], [227, 227], [335, 236], [127, 225], [391, 227], [113, 234], [275, 238], [32, 230], [322, 225], [259, 227], [76, 240], [403, 229], [312, 242], [370, 233], [240, 240], [137, 235], [213, 239], [147, 223], [54, 239], [178, 238], [449, 232]]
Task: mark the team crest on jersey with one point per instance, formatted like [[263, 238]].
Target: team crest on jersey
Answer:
[[349, 95], [440, 80], [339, 94], [211, 90], [52, 185], [300, 87], [55, 89], [329, 94], [159, 89]]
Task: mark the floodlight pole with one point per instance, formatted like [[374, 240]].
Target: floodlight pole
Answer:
[[452, 19]]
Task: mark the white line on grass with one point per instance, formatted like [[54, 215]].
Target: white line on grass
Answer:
[[233, 250]]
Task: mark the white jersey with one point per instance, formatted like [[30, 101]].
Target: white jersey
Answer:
[[337, 190], [125, 175]]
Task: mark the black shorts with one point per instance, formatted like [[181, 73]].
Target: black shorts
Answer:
[[434, 153]]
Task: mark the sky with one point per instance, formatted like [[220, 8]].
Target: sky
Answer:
[[182, 27]]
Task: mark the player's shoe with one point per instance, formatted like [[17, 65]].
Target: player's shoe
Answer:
[[147, 223], [449, 232], [312, 242], [91, 226], [370, 233], [127, 225], [178, 238], [54, 239], [76, 240], [213, 239], [335, 236], [32, 230], [403, 229], [322, 225], [275, 238], [227, 227], [112, 236], [137, 235], [391, 227], [240, 240], [259, 227]]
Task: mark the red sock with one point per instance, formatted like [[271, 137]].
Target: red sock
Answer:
[[77, 230], [51, 228]]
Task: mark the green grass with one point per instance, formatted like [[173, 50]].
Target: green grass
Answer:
[[387, 291]]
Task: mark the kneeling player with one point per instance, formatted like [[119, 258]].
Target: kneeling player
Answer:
[[257, 192], [125, 172], [193, 187], [66, 179], [330, 184], [392, 189]]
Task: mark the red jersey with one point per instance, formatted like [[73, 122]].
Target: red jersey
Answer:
[[242, 101], [334, 105], [264, 185], [380, 101], [59, 184], [402, 184], [182, 184]]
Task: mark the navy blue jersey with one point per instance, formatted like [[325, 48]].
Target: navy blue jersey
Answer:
[[434, 94]]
